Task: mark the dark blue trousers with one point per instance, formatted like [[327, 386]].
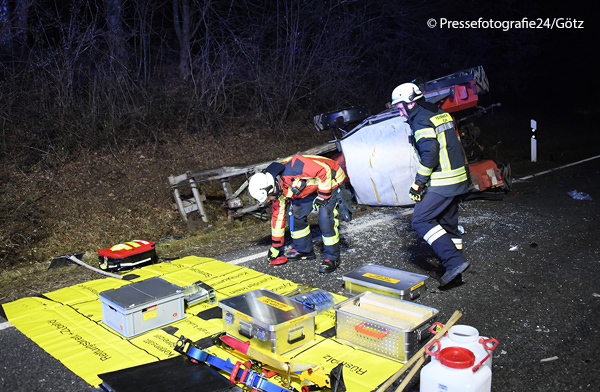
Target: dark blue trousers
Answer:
[[436, 220], [328, 223]]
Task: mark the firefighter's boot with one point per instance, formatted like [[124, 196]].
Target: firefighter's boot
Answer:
[[329, 266], [452, 273], [295, 255]]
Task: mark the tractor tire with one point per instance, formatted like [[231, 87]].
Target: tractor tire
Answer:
[[352, 115]]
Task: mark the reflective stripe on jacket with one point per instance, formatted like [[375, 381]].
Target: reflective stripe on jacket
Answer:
[[303, 176], [441, 160]]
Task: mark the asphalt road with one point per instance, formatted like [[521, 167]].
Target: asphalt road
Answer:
[[533, 284]]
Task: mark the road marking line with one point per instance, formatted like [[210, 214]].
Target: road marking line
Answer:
[[246, 258], [5, 325], [255, 256], [556, 168]]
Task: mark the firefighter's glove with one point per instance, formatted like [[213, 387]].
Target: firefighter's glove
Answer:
[[417, 190], [273, 253], [319, 202]]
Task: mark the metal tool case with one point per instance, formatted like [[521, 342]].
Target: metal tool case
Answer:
[[387, 281], [270, 321], [389, 326], [141, 306]]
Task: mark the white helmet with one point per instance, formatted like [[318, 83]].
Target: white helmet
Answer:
[[261, 185], [406, 92]]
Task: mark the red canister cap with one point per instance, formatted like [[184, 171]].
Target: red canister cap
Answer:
[[457, 357]]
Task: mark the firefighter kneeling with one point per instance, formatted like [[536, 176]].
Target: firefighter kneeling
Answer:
[[308, 183]]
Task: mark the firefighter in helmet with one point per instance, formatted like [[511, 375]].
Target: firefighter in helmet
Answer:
[[306, 182], [441, 177]]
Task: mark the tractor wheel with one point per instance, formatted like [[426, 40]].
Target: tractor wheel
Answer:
[[352, 115]]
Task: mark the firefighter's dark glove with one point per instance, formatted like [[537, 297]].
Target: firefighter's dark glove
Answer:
[[417, 190], [319, 202], [273, 253]]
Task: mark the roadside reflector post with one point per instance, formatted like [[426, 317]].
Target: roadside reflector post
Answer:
[[533, 141]]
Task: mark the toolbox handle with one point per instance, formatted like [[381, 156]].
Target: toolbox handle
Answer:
[[423, 332], [299, 338], [246, 334], [360, 328], [245, 330]]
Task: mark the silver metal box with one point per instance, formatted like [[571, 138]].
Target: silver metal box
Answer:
[[270, 321], [141, 306], [387, 281], [388, 326]]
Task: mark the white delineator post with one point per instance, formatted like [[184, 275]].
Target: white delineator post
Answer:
[[533, 141]]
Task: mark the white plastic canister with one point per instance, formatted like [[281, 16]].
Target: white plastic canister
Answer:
[[468, 337], [453, 371]]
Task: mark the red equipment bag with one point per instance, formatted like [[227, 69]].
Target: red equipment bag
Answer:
[[129, 255]]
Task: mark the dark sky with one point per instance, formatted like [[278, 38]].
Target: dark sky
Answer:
[[553, 59], [548, 73]]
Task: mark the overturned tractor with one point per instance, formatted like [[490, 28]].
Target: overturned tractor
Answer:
[[379, 158]]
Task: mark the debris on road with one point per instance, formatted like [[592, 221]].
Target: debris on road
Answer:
[[554, 358], [579, 195]]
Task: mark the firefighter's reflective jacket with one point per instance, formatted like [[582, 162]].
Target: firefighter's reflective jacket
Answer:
[[304, 176], [441, 160]]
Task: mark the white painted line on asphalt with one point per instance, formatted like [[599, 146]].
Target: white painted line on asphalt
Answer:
[[247, 258], [5, 325], [556, 168], [370, 223]]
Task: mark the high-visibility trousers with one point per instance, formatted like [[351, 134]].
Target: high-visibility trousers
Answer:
[[328, 223], [435, 219]]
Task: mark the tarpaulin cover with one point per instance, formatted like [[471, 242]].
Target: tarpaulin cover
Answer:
[[381, 163], [67, 323]]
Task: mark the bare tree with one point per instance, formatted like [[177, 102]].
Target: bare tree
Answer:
[[182, 25], [5, 24], [21, 24], [116, 34], [145, 11]]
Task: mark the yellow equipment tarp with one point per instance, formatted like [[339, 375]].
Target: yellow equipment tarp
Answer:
[[67, 323]]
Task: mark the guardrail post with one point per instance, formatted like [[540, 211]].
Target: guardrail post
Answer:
[[533, 141]]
